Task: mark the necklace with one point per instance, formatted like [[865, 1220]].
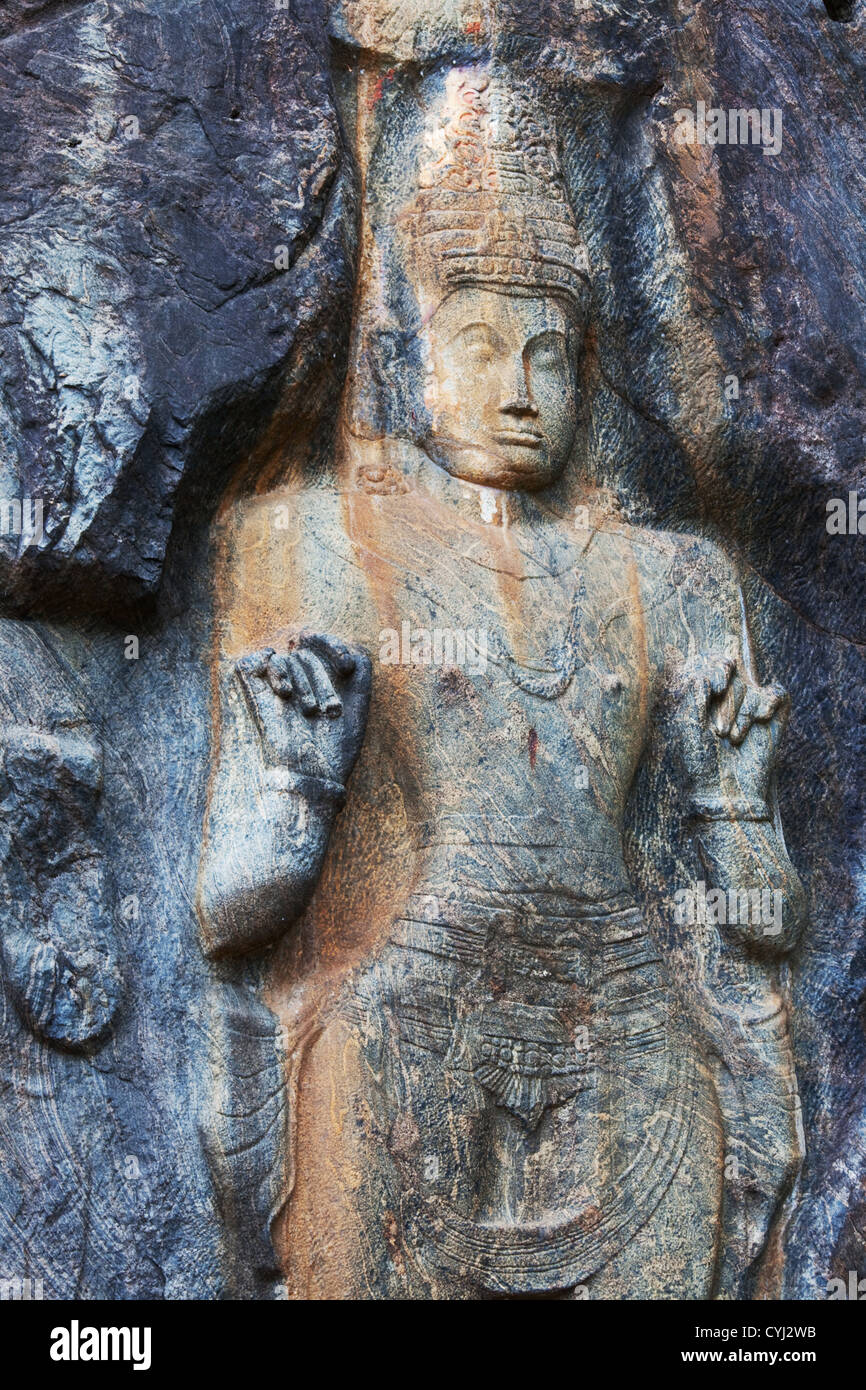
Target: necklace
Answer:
[[563, 656]]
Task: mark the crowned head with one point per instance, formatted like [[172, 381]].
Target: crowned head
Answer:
[[500, 276]]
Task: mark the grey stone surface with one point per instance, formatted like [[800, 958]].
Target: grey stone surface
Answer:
[[166, 167]]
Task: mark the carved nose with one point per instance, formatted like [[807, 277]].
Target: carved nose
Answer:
[[519, 399], [520, 405]]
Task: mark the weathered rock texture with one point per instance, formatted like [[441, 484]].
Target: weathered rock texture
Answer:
[[179, 268]]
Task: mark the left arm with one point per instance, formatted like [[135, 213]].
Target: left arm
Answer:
[[730, 729], [727, 729]]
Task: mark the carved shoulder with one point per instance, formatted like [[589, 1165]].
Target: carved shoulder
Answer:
[[691, 595], [293, 555]]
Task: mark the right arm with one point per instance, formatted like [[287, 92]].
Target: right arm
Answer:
[[291, 728]]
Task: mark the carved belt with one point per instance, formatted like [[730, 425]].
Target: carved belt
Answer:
[[472, 932], [525, 1055]]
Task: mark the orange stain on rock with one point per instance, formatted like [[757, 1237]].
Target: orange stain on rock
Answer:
[[378, 88]]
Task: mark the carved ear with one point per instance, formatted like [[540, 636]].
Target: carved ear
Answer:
[[57, 936], [385, 401]]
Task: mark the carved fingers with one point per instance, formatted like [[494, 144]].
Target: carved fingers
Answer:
[[729, 703], [729, 727], [58, 948], [760, 705], [319, 716], [308, 675], [711, 678]]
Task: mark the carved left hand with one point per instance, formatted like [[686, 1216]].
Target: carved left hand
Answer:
[[729, 728]]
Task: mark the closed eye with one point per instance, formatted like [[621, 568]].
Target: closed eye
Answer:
[[548, 349], [479, 339]]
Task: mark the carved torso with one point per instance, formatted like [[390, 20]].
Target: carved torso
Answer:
[[475, 906]]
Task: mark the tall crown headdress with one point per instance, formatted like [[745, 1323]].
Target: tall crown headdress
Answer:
[[492, 207]]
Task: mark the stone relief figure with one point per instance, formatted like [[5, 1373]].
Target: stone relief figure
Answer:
[[58, 941], [435, 688]]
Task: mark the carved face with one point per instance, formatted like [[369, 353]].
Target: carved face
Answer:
[[499, 387]]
